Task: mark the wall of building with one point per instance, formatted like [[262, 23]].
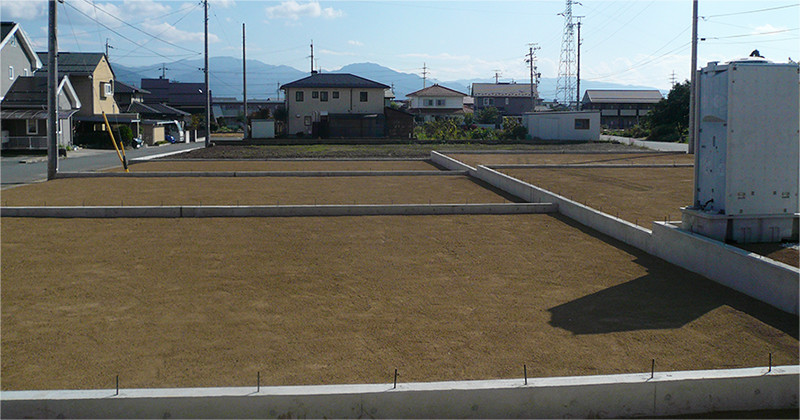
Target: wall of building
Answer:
[[349, 102], [562, 125], [13, 56], [101, 103]]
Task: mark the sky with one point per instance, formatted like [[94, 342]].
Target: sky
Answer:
[[642, 42]]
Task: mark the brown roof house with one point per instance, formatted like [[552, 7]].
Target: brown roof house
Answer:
[[437, 102]]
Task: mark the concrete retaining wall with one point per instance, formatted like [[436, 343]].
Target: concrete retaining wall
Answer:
[[241, 174], [450, 163], [614, 227], [629, 395], [767, 280], [277, 211], [593, 165]]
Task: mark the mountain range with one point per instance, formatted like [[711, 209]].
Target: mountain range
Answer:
[[264, 80]]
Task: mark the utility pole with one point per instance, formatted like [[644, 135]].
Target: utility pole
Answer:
[[205, 70], [312, 56], [244, 79], [424, 74], [496, 76], [107, 47], [693, 91], [163, 69], [578, 88], [52, 92], [534, 75]]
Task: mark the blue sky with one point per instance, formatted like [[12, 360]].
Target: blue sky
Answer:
[[632, 42]]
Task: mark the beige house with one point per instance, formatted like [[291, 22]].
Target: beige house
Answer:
[[335, 105], [437, 102], [92, 78]]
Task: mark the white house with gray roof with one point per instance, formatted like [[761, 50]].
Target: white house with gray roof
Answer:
[[17, 56]]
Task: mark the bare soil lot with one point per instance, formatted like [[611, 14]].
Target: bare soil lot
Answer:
[[282, 165], [252, 191], [188, 302], [572, 158]]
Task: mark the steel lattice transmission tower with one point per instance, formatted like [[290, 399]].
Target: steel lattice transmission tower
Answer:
[[565, 86]]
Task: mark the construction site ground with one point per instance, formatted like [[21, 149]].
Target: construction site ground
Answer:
[[211, 302]]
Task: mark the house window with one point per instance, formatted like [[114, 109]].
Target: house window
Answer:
[[32, 127], [429, 102], [11, 72], [298, 96], [363, 96], [314, 95], [335, 94], [488, 101], [581, 123], [440, 102], [108, 89], [506, 101], [323, 96]]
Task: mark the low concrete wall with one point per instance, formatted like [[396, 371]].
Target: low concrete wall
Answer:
[[450, 163], [241, 174], [652, 145], [592, 165], [614, 227], [767, 280], [277, 211], [629, 395]]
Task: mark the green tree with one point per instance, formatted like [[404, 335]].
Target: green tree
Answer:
[[669, 119], [488, 115]]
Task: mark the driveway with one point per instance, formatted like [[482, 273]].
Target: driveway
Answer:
[[17, 170]]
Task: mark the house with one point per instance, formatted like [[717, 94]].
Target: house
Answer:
[[23, 112], [188, 97], [563, 126], [437, 102], [126, 94], [510, 99], [620, 108], [16, 55], [399, 124], [335, 105]]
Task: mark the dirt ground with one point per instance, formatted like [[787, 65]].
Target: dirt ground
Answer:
[[572, 158], [210, 302], [282, 165], [252, 191]]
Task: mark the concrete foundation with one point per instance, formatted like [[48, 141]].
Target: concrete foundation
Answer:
[[741, 229], [629, 395]]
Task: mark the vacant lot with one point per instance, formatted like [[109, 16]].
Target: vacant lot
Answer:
[[210, 302], [252, 191], [282, 165], [489, 159]]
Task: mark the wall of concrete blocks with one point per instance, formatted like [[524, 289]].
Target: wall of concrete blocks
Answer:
[[627, 395], [769, 281]]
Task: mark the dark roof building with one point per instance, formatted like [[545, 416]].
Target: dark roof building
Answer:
[[508, 98], [78, 64], [189, 97], [620, 108], [334, 80]]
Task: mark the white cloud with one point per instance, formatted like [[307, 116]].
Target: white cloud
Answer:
[[22, 9], [355, 43], [143, 8], [329, 52], [763, 29], [223, 3], [294, 10], [175, 35]]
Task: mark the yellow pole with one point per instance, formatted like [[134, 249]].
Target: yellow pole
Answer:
[[114, 142]]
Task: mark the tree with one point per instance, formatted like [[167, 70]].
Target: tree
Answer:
[[488, 115], [669, 119]]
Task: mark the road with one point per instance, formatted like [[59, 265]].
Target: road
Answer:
[[14, 170], [654, 145]]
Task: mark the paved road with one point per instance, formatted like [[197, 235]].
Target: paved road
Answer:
[[14, 172], [654, 145]]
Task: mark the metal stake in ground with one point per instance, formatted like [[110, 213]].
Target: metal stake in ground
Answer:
[[652, 368], [525, 372], [117, 385], [258, 381], [395, 379]]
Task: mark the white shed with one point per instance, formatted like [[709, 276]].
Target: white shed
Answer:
[[565, 126]]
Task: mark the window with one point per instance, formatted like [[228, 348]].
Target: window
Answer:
[[108, 89], [335, 94], [488, 101], [506, 101], [581, 123], [25, 72], [32, 127], [363, 96], [323, 96], [429, 102], [314, 95], [440, 102], [11, 72], [298, 96], [307, 120]]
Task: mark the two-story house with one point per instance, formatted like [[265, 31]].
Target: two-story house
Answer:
[[510, 99], [620, 108], [335, 105], [437, 102], [17, 56]]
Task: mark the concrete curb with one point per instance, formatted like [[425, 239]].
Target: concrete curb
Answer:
[[450, 163], [276, 211], [252, 174], [591, 165], [626, 395]]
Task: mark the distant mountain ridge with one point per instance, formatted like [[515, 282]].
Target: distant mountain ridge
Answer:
[[264, 80]]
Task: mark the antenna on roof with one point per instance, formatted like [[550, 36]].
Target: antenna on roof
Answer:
[[496, 76]]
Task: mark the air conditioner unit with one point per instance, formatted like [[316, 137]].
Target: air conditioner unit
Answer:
[[107, 90]]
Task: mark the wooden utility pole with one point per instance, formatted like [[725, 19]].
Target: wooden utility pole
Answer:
[[312, 56], [244, 79], [693, 90], [52, 92], [205, 70], [578, 78], [107, 47], [534, 75]]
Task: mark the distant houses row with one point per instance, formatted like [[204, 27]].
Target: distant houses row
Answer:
[[321, 105]]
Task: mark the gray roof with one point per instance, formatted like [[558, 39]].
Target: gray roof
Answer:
[[74, 63], [163, 109], [120, 87], [516, 90], [622, 96], [334, 80], [31, 92]]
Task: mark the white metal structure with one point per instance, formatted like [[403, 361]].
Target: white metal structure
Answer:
[[746, 160], [563, 126]]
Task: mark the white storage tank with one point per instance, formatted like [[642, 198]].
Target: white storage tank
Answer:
[[746, 155]]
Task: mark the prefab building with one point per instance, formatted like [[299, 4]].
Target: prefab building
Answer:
[[746, 155], [563, 126]]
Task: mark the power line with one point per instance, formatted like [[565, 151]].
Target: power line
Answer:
[[755, 34], [751, 11], [167, 29]]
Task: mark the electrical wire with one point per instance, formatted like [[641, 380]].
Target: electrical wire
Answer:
[[751, 11]]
